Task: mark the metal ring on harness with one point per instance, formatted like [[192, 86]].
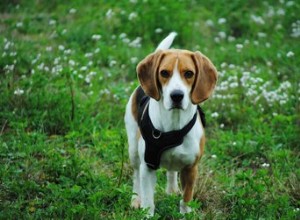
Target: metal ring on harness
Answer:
[[154, 135]]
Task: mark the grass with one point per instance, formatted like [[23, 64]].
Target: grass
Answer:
[[68, 68]]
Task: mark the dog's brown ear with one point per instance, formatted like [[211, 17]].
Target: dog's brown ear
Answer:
[[147, 74], [206, 78]]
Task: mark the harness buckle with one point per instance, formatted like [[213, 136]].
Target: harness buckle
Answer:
[[156, 134]]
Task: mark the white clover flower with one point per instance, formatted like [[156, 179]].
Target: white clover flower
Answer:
[[158, 30], [87, 55], [209, 23], [19, 24], [96, 37], [239, 47], [72, 11], [122, 35], [61, 47], [222, 34], [231, 38], [222, 20], [290, 54], [52, 22], [257, 19], [134, 60], [265, 165], [215, 115], [109, 13], [280, 11], [223, 65], [19, 92], [261, 35], [72, 63], [136, 42], [132, 16], [112, 63], [83, 68]]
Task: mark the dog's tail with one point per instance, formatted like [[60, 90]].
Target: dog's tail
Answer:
[[167, 42]]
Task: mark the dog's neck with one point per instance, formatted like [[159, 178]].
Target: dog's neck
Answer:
[[169, 120]]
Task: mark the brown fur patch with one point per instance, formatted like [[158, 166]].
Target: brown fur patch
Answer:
[[134, 106]]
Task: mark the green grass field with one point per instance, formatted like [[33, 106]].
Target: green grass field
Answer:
[[67, 69]]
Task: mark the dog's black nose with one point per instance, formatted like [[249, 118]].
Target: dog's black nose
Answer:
[[177, 96]]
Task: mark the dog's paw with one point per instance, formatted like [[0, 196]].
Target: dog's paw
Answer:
[[135, 202], [184, 208]]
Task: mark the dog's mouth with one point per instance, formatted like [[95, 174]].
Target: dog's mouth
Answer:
[[176, 106]]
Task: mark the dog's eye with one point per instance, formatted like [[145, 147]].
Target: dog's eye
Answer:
[[188, 74], [164, 73]]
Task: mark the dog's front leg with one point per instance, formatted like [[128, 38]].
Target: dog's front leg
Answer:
[[147, 187]]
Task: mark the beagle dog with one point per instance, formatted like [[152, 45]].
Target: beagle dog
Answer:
[[164, 124]]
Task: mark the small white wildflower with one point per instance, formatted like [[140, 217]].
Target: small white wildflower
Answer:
[[265, 165], [239, 47], [158, 30], [83, 68], [122, 35], [257, 19], [61, 47], [290, 54], [234, 143], [209, 23], [87, 55], [222, 20], [52, 22], [261, 35], [136, 42], [214, 156], [222, 34], [72, 11], [97, 50], [223, 65], [231, 38], [268, 45], [134, 60], [109, 13], [96, 37], [112, 63], [132, 16], [19, 91], [222, 125], [133, 1], [215, 115], [19, 24], [280, 11], [72, 63]]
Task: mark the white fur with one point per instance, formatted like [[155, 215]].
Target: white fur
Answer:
[[174, 159]]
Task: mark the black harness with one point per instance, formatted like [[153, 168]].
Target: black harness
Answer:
[[156, 141]]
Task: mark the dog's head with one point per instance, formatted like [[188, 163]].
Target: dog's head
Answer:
[[177, 77]]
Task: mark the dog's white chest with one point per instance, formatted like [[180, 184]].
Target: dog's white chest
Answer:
[[185, 154]]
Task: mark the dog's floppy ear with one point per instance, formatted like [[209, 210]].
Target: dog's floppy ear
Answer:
[[147, 74], [206, 78]]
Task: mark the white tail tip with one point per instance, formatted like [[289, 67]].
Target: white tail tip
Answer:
[[167, 42]]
